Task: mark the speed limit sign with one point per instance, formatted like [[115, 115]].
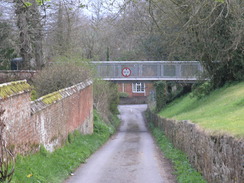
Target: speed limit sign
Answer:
[[126, 72]]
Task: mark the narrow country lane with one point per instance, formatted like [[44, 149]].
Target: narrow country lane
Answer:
[[130, 156]]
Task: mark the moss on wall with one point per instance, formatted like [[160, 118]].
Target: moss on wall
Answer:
[[51, 98], [12, 88]]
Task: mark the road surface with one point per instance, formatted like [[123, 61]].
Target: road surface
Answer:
[[130, 156]]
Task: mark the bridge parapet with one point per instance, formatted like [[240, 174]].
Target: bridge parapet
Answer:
[[148, 70]]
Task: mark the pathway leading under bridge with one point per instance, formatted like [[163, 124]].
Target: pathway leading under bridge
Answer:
[[130, 156], [149, 70]]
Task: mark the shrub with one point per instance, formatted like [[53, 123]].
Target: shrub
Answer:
[[166, 92], [202, 90], [161, 93], [123, 95], [113, 98], [58, 76], [106, 98]]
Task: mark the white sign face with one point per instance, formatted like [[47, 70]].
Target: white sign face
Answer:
[[126, 72]]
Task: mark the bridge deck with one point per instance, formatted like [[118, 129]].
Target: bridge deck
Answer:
[[148, 70]]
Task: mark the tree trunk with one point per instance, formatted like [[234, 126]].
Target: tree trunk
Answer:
[[24, 36], [37, 35], [30, 34]]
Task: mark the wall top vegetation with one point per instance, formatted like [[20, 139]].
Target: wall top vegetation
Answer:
[[13, 88], [54, 97]]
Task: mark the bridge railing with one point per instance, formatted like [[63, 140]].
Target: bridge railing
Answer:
[[148, 70]]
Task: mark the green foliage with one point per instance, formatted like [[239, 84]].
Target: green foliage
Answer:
[[237, 65], [224, 72], [101, 127], [39, 2], [43, 151], [184, 171], [33, 95], [57, 166], [123, 95], [221, 111], [114, 98], [106, 98], [72, 136], [221, 1], [175, 90], [6, 48], [202, 90], [161, 93], [219, 47], [114, 121], [166, 92], [27, 4]]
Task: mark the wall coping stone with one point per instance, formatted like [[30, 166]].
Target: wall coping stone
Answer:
[[54, 97], [13, 88], [18, 71]]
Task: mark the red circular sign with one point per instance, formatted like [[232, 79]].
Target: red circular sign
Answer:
[[126, 72]]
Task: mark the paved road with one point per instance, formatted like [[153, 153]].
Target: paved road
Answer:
[[130, 156]]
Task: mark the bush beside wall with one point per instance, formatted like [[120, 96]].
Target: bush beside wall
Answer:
[[218, 157]]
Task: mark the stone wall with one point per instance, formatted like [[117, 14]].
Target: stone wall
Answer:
[[49, 119], [220, 158]]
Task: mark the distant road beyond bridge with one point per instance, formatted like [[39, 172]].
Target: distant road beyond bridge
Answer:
[[149, 70]]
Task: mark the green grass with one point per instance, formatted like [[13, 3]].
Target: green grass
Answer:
[[222, 111], [56, 167], [183, 170]]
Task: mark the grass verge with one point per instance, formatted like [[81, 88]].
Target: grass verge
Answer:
[[57, 166], [221, 111], [183, 169]]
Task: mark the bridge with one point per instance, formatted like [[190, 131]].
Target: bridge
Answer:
[[148, 70]]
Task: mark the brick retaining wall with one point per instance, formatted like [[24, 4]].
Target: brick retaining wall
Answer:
[[29, 124], [14, 75]]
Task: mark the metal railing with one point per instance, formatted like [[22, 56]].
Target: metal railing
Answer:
[[148, 70]]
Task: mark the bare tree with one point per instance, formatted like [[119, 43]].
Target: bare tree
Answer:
[[30, 33], [208, 31]]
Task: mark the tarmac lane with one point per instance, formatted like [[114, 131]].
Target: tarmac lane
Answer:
[[130, 156]]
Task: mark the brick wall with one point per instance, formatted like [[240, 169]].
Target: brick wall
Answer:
[[127, 88], [14, 75], [29, 124], [17, 120]]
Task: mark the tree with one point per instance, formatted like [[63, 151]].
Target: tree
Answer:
[[7, 51], [218, 36], [30, 33], [208, 31]]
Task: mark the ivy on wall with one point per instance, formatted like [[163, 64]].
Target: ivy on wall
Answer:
[[161, 94], [166, 92]]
